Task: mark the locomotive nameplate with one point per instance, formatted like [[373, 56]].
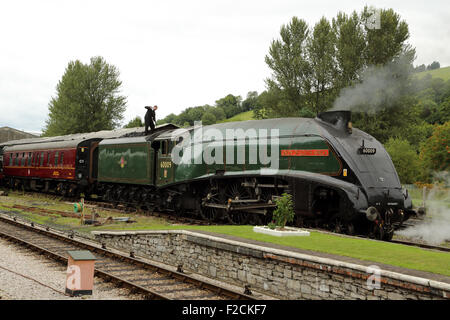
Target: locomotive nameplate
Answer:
[[305, 153]]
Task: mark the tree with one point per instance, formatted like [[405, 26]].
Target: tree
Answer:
[[230, 104], [251, 102], [387, 42], [350, 44], [291, 70], [321, 54], [87, 99], [208, 118], [435, 153], [136, 122], [434, 65], [218, 112], [405, 159]]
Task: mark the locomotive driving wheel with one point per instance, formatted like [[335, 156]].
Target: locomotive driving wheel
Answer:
[[210, 213], [236, 192]]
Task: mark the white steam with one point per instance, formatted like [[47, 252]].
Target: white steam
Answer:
[[379, 88], [435, 229]]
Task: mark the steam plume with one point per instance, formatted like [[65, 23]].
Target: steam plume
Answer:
[[380, 87], [436, 227]]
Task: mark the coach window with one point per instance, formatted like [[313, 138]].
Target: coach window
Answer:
[[42, 159], [10, 159], [16, 159], [30, 156], [56, 158], [48, 159], [62, 159]]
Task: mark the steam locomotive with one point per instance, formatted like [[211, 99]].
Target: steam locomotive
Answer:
[[340, 177]]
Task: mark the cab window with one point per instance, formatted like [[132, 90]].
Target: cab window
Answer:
[[165, 147]]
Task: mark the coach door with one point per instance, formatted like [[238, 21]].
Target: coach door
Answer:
[[164, 167]]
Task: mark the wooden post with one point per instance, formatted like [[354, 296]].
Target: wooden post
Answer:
[[424, 195], [82, 211]]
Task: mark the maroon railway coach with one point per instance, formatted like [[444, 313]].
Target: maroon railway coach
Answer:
[[46, 166]]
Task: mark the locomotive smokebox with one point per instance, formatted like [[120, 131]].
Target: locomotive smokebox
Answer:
[[341, 120]]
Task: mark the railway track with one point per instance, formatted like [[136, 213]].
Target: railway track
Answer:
[[421, 245], [155, 282]]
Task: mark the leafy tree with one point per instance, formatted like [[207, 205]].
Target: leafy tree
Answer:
[[251, 102], [87, 99], [218, 112], [171, 118], [434, 65], [435, 153], [350, 44], [321, 54], [195, 114], [290, 81], [136, 122], [230, 104], [420, 68], [405, 159], [387, 42], [208, 118]]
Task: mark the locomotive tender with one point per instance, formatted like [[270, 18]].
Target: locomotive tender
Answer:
[[340, 177]]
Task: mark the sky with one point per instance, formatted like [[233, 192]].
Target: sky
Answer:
[[175, 54]]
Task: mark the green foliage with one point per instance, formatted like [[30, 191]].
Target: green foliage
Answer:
[[87, 99], [443, 73], [272, 225], [311, 66], [291, 69], [208, 118], [350, 43], [405, 159], [434, 65], [285, 210], [435, 153], [230, 104], [321, 55], [387, 42], [136, 122]]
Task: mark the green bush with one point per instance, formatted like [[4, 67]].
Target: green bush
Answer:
[[285, 210], [405, 159]]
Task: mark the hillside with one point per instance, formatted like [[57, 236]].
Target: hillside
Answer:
[[243, 116], [443, 73]]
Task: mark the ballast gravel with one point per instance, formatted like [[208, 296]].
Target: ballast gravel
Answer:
[[26, 275]]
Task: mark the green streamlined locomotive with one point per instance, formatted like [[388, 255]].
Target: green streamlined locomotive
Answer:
[[340, 177]]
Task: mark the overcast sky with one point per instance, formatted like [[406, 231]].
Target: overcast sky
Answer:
[[175, 54]]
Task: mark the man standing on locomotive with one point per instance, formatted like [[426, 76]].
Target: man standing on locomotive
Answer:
[[150, 118]]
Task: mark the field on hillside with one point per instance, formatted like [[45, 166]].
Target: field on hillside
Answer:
[[443, 73], [244, 116]]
